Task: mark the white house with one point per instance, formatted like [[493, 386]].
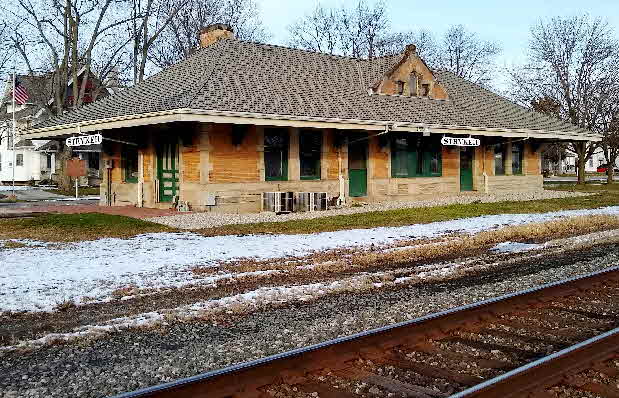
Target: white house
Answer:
[[569, 163], [34, 160]]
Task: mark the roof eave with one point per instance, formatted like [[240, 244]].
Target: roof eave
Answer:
[[213, 116]]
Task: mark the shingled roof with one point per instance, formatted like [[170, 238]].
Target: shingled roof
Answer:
[[247, 77]]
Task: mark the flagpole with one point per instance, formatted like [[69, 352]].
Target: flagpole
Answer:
[[14, 130]]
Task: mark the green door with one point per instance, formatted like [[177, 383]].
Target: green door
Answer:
[[167, 171], [357, 165], [466, 168]]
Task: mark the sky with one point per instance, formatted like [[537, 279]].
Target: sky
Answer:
[[507, 22]]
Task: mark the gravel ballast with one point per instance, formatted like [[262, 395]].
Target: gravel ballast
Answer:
[[212, 220], [132, 360]]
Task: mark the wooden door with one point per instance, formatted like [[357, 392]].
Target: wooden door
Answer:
[[466, 168], [357, 165], [167, 171]]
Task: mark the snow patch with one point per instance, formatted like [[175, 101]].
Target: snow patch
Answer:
[[516, 247], [17, 188], [39, 277]]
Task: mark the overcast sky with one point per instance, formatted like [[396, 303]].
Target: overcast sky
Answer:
[[507, 22]]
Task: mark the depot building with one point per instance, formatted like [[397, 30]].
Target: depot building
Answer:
[[246, 127]]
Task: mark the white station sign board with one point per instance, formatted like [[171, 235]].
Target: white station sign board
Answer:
[[453, 141], [80, 140]]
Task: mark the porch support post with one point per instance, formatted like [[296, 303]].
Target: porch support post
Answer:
[[294, 163], [508, 158]]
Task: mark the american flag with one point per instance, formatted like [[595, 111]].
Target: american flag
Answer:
[[21, 95]]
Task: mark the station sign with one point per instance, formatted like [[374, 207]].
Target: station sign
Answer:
[[94, 139], [453, 141]]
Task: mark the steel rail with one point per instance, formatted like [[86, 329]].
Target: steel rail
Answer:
[[243, 378], [548, 371]]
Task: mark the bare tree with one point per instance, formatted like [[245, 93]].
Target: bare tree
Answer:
[[180, 37], [360, 31], [364, 28], [610, 143], [465, 54], [150, 19], [363, 31], [424, 41], [554, 152], [63, 37], [574, 62], [6, 48], [317, 31]]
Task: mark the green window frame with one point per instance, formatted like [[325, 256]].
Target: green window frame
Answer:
[[310, 153], [499, 160], [130, 163], [276, 146], [517, 158], [413, 156]]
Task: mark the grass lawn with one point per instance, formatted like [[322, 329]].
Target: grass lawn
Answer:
[[82, 191], [607, 196], [76, 227]]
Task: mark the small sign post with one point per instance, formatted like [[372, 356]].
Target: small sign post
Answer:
[[453, 141], [94, 139], [76, 168]]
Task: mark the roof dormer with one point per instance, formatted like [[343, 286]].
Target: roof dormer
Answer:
[[410, 77]]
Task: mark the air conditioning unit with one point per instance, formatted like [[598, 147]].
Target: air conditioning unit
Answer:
[[278, 202], [312, 201]]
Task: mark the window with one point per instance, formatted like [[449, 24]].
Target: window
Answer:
[[310, 148], [425, 89], [130, 163], [19, 159], [93, 160], [400, 88], [413, 80], [499, 159], [413, 156], [590, 163], [48, 161], [0, 162], [517, 155], [276, 154]]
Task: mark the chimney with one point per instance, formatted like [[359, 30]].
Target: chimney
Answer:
[[215, 32]]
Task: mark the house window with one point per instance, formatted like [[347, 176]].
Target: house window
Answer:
[[0, 162], [425, 89], [310, 148], [48, 161], [130, 163], [413, 80], [499, 160], [400, 88], [590, 163], [276, 154], [415, 157], [19, 159], [517, 155]]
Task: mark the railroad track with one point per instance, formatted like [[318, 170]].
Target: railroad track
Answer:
[[558, 340]]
